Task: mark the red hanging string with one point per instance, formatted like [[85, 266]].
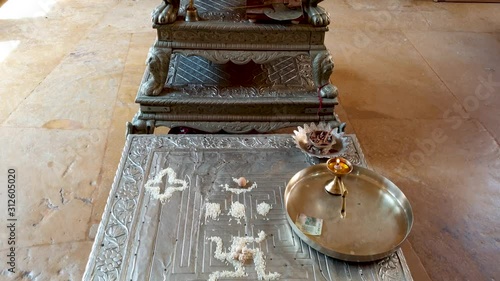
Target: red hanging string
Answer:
[[320, 98]]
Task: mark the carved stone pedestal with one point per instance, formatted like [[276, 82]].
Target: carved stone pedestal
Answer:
[[233, 98], [226, 73]]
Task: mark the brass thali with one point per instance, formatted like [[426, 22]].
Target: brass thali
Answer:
[[377, 220]]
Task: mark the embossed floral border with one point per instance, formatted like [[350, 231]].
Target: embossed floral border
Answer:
[[111, 242]]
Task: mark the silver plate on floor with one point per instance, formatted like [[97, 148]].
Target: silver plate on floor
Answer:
[[378, 215], [140, 238]]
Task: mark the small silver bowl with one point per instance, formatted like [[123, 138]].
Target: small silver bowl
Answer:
[[334, 145]]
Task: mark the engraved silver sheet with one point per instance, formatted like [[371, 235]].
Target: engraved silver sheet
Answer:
[[141, 239]]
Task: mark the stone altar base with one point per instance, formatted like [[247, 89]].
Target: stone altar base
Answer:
[[234, 98]]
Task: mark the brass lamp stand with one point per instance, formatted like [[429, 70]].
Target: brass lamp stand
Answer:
[[339, 167], [191, 12]]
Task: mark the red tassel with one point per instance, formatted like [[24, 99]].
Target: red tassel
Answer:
[[320, 98]]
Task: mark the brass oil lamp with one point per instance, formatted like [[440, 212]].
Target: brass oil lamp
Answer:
[[339, 167]]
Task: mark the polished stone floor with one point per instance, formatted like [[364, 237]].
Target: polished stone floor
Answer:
[[419, 83]]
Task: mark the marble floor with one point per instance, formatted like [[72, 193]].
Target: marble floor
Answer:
[[419, 83]]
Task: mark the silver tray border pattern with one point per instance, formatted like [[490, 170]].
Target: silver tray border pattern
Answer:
[[107, 260]]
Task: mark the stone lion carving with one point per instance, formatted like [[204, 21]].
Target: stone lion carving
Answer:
[[167, 11], [316, 15], [322, 69]]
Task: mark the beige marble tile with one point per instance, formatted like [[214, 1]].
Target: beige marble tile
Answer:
[[477, 17], [123, 113], [417, 270], [80, 66], [384, 5], [459, 57], [81, 9], [35, 12], [358, 21], [451, 178], [381, 75], [334, 4], [469, 65], [20, 77], [128, 90], [135, 66], [342, 114], [40, 45], [375, 16], [41, 30], [139, 47], [83, 88], [413, 15], [130, 17], [59, 262], [57, 174]]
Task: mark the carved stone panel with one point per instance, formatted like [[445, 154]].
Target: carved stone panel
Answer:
[[240, 57], [240, 37]]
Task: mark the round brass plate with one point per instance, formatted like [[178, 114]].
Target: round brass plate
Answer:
[[378, 215]]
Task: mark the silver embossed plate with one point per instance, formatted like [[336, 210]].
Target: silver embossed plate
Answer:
[[141, 239], [378, 216]]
